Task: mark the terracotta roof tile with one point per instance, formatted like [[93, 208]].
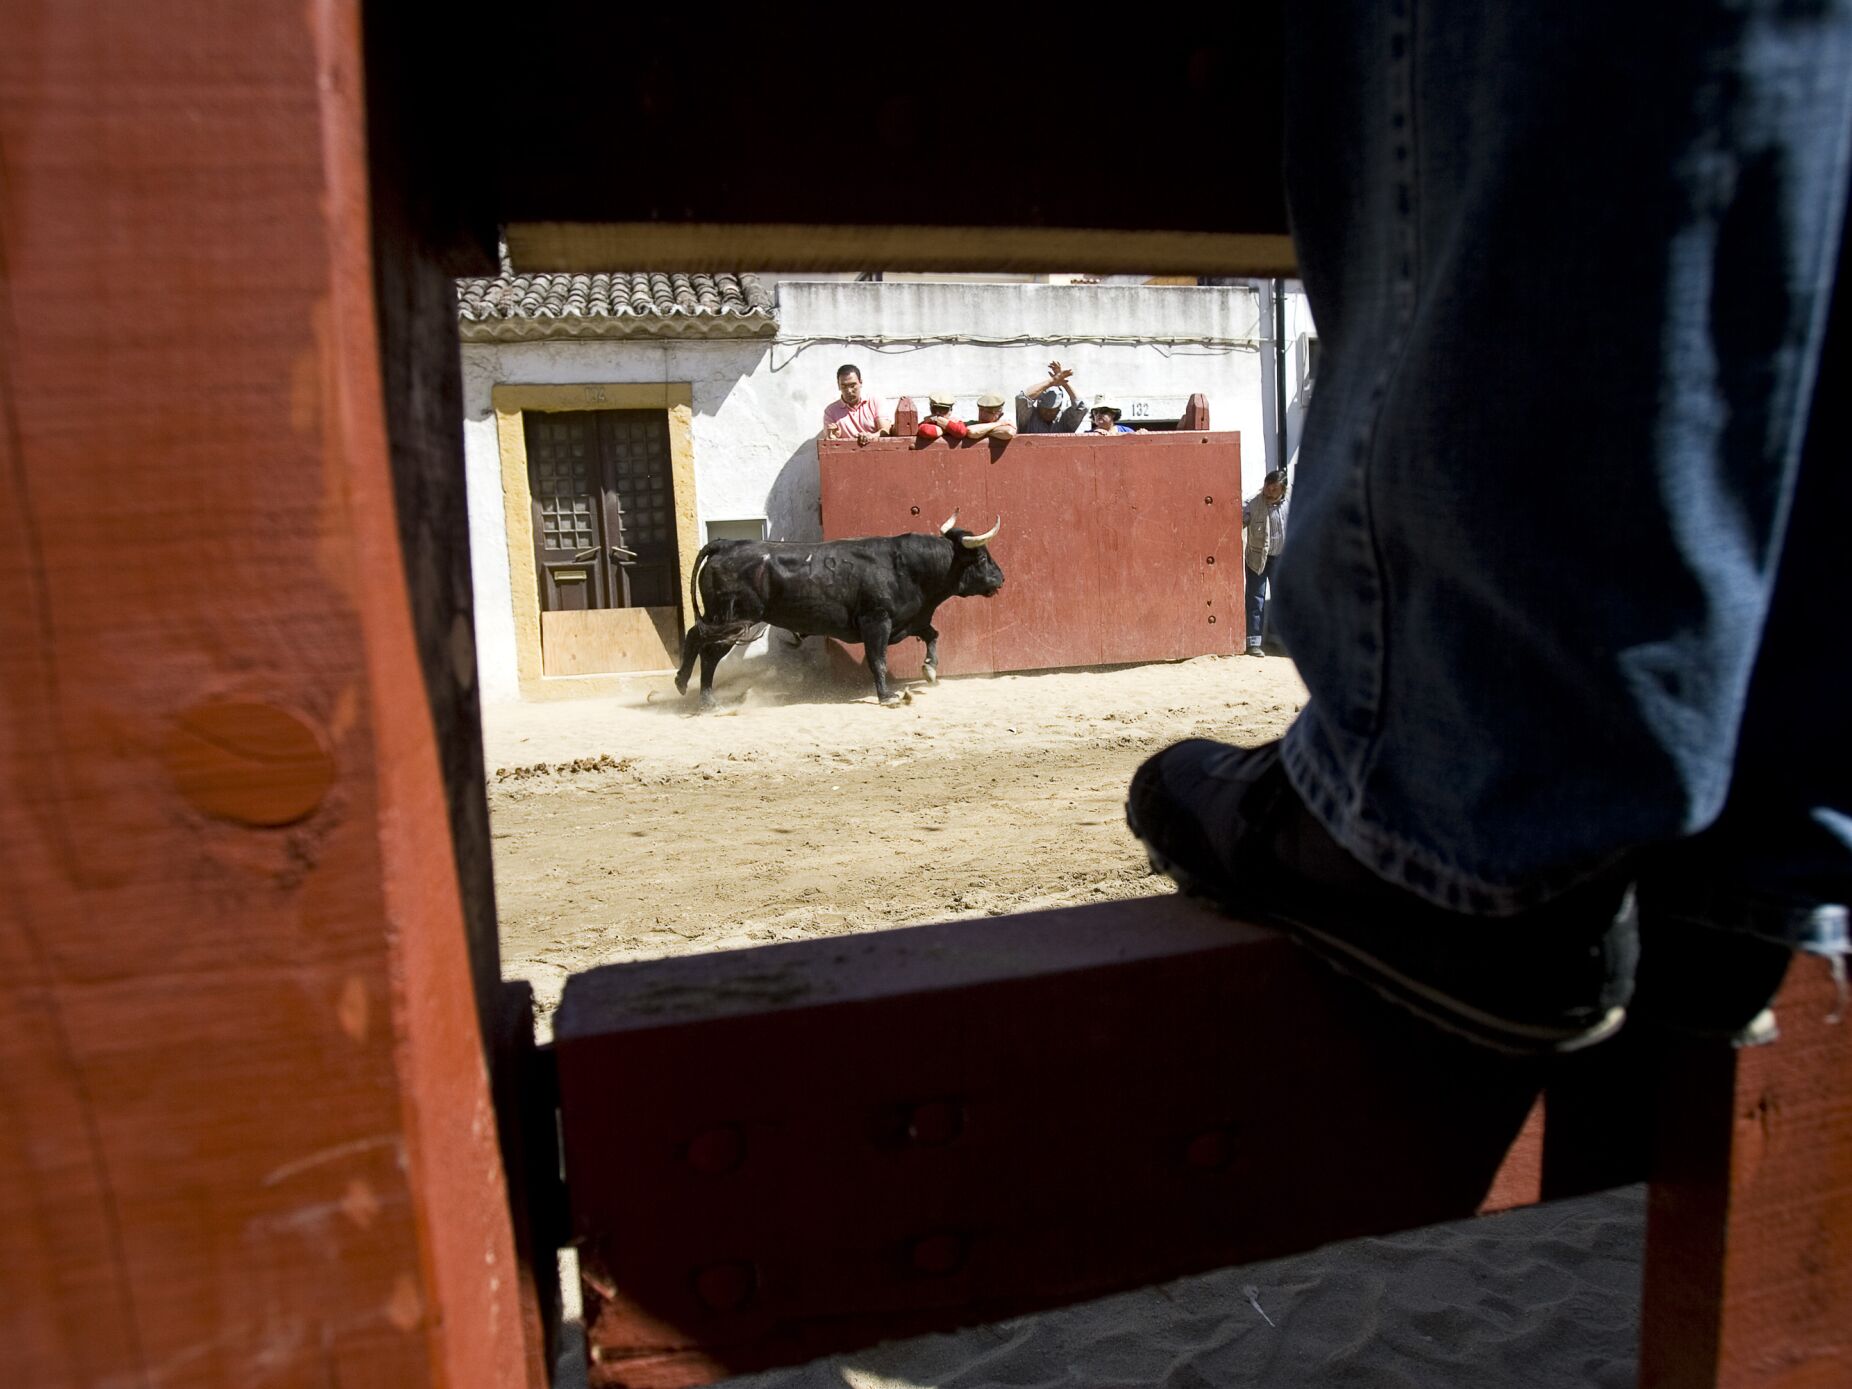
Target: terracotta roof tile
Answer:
[[648, 304]]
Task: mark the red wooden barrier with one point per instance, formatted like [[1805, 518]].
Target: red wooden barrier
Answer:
[[245, 1131], [1114, 550], [929, 1127], [1749, 1227]]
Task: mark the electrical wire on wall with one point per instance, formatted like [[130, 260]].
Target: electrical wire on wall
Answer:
[[1168, 347]]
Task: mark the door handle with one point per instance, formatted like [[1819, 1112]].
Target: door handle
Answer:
[[623, 556], [586, 556]]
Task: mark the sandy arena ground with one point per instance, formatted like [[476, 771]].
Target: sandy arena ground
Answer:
[[799, 812], [627, 828]]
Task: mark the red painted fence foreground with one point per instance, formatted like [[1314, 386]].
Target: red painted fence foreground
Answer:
[[1114, 550], [785, 1152]]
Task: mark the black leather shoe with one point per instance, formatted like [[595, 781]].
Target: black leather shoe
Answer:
[[1224, 823], [1705, 982]]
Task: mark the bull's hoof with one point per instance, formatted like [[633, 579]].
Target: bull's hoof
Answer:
[[681, 684], [707, 704], [932, 674], [892, 701]]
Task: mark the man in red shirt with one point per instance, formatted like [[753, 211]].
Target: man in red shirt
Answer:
[[853, 416]]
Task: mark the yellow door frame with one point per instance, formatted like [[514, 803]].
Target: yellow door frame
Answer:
[[511, 404]]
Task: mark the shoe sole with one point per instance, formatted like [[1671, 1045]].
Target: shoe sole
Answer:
[[1759, 1031], [1407, 993]]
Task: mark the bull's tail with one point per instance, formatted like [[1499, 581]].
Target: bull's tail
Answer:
[[694, 579]]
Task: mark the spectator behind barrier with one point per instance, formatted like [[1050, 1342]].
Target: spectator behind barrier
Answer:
[[990, 423], [1105, 420], [854, 416], [940, 422], [1050, 406]]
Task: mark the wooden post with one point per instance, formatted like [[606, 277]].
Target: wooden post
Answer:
[[245, 1130], [784, 1152], [906, 417], [1195, 413], [1749, 1228]]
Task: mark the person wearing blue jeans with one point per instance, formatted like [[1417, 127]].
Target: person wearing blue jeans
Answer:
[[1564, 583], [1263, 519], [1259, 589]]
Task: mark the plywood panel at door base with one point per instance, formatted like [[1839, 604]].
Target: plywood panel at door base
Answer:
[[1113, 550], [615, 640]]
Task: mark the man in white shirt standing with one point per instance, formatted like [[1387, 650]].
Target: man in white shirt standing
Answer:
[[1264, 516]]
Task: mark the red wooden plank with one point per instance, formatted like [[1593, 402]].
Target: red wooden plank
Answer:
[[1048, 614], [1171, 546], [247, 1134], [890, 487], [929, 1127], [1106, 543], [1749, 1227]]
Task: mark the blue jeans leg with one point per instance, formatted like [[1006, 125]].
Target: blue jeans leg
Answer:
[[1775, 861], [1259, 589], [1570, 265]]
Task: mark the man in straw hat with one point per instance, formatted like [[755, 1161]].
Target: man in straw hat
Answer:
[[1105, 420]]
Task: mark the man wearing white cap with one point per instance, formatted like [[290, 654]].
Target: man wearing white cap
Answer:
[[940, 422], [990, 423]]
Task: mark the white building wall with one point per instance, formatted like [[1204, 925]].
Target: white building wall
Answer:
[[1125, 342], [758, 403], [488, 544]]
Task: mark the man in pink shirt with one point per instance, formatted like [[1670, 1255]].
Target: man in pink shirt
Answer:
[[854, 417]]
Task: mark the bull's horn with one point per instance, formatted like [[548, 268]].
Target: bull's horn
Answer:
[[950, 521], [978, 542]]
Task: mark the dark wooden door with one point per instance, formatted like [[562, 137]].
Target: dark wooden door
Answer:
[[565, 478], [639, 505], [604, 509]]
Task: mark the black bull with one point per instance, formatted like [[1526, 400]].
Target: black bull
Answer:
[[876, 591]]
